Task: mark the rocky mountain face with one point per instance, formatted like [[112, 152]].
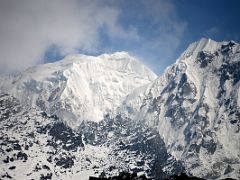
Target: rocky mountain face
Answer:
[[91, 116], [37, 146], [195, 105]]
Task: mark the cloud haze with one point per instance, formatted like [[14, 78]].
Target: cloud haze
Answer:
[[29, 27]]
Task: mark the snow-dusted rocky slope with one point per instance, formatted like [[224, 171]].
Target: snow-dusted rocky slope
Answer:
[[195, 105], [79, 87], [34, 145]]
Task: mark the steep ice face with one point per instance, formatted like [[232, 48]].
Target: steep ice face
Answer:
[[80, 87], [195, 106]]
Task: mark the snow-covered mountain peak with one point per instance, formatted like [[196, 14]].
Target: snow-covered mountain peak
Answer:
[[210, 46], [116, 55], [201, 45], [118, 61], [80, 87], [195, 106]]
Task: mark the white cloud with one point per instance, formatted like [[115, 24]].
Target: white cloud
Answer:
[[152, 31], [29, 27]]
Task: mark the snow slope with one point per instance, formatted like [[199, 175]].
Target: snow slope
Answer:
[[195, 106], [79, 87]]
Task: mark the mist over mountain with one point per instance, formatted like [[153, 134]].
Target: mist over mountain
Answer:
[[93, 116]]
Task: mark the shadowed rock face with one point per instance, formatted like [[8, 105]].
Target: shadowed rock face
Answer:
[[141, 144], [122, 175], [70, 139], [205, 58], [129, 176]]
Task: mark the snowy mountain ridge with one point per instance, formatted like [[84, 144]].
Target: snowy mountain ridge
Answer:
[[80, 87], [187, 119]]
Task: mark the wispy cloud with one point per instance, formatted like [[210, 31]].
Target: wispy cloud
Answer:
[[212, 31], [29, 27], [151, 30]]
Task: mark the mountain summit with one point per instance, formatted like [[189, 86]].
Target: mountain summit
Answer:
[[80, 87], [195, 105]]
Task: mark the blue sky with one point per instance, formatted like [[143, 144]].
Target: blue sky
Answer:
[[155, 31]]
